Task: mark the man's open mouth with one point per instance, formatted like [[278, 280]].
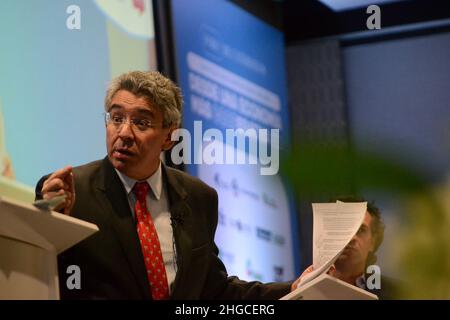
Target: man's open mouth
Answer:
[[120, 153]]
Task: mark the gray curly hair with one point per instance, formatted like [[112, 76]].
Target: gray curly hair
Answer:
[[158, 89]]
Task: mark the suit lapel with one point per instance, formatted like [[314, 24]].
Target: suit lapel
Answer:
[[121, 219], [180, 215], [123, 224]]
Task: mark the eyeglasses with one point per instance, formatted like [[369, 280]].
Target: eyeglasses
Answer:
[[118, 120]]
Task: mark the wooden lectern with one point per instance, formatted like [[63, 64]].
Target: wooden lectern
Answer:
[[30, 240]]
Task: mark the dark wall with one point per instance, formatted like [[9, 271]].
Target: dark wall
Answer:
[[307, 19]]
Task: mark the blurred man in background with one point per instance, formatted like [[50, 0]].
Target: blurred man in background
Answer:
[[356, 264]]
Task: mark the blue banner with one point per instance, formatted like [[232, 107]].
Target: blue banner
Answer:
[[232, 73]]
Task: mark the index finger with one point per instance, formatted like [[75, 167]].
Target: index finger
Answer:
[[61, 173]]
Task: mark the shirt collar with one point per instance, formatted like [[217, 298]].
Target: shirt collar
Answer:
[[361, 281], [155, 182]]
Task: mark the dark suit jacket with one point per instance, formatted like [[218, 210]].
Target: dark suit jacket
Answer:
[[111, 261], [389, 289]]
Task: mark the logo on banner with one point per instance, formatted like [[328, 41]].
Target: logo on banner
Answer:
[[269, 201], [222, 218], [226, 257], [252, 273], [269, 236], [264, 234], [240, 226], [278, 273]]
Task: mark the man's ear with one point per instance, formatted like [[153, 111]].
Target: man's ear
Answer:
[[168, 143]]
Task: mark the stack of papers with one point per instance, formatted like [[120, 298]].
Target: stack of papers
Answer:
[[326, 287]]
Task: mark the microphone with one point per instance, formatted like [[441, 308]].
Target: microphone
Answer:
[[176, 220]]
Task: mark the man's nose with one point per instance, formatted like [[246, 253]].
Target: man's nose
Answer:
[[126, 131]]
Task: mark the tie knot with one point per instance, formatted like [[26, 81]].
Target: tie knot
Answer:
[[140, 189]]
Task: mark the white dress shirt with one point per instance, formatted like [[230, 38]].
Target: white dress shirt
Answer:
[[158, 205]]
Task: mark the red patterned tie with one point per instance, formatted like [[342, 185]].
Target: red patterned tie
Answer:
[[151, 248]]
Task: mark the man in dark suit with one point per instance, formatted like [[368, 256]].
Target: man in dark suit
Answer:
[[157, 224]]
